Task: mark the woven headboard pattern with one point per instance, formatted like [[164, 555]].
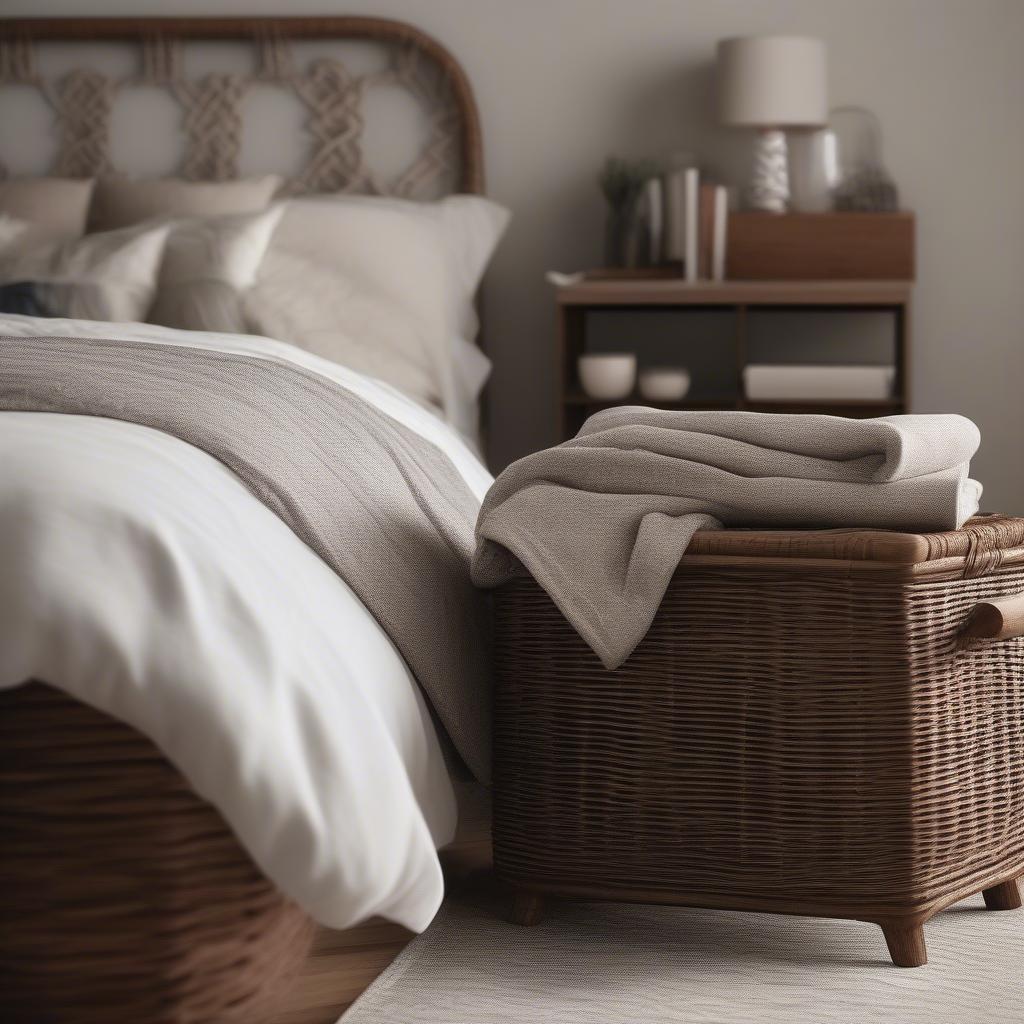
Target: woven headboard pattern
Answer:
[[213, 104]]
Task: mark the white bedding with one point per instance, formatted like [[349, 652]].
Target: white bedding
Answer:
[[140, 576]]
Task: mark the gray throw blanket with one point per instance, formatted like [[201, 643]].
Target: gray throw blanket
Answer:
[[384, 508], [602, 520]]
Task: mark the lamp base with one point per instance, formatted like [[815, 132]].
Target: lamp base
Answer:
[[769, 185]]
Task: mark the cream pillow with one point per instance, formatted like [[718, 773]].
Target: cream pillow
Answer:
[[207, 267], [394, 261], [107, 276], [119, 202], [301, 301], [52, 209]]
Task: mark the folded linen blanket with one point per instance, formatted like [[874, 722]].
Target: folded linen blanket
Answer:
[[383, 507], [602, 520]]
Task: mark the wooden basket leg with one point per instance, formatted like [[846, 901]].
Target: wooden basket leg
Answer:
[[1004, 896], [906, 944], [527, 908]]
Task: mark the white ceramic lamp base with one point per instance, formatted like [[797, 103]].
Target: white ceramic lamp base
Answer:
[[769, 185]]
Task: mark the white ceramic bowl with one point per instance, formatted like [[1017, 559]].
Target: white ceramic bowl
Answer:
[[664, 383], [608, 376]]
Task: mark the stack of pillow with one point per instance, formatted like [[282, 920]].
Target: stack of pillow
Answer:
[[385, 286]]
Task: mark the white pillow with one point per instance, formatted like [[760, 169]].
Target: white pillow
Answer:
[[107, 276], [207, 266], [418, 263]]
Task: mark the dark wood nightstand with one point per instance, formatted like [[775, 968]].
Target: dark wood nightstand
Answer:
[[577, 302]]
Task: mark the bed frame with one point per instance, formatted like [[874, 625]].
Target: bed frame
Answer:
[[214, 104], [125, 894]]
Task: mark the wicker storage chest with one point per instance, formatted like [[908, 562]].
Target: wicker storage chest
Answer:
[[827, 723]]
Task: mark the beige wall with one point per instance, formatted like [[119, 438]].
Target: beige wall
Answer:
[[562, 82]]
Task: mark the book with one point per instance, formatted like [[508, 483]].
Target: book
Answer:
[[706, 229], [654, 219], [720, 220], [673, 193], [674, 197], [692, 197]]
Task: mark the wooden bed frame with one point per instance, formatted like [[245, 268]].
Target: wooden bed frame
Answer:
[[125, 894], [81, 99]]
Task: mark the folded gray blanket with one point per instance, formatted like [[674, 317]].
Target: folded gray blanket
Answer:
[[382, 506], [602, 520]]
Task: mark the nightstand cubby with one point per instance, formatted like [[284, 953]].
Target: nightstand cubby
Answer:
[[739, 302]]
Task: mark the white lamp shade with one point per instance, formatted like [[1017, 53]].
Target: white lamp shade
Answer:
[[772, 82]]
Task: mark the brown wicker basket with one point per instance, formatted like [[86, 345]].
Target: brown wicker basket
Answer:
[[125, 897], [808, 728]]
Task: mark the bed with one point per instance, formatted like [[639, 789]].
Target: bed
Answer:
[[210, 735]]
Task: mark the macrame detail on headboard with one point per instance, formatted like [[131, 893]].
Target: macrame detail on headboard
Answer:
[[335, 125], [213, 125], [82, 101]]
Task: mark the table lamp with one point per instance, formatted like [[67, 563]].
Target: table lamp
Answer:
[[772, 83]]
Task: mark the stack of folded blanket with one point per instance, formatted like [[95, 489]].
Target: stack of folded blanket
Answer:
[[602, 520]]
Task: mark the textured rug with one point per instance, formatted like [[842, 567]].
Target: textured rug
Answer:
[[613, 964]]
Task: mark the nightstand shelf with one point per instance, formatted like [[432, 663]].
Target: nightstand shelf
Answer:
[[737, 298]]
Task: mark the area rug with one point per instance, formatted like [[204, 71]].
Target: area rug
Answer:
[[613, 964]]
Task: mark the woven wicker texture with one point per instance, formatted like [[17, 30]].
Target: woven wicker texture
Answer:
[[125, 897], [791, 736]]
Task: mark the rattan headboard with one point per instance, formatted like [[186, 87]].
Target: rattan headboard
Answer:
[[58, 61]]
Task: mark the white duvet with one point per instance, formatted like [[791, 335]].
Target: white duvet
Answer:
[[140, 576]]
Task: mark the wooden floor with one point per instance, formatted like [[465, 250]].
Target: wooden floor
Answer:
[[344, 963]]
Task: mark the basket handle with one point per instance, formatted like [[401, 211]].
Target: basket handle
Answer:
[[996, 620]]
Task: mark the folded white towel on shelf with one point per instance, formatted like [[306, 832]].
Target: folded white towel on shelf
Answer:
[[780, 383], [602, 520]]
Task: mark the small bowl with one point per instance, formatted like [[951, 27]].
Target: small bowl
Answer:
[[664, 383], [608, 376]]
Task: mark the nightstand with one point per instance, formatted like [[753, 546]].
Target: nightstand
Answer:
[[579, 303]]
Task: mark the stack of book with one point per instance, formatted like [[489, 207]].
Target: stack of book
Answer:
[[696, 219]]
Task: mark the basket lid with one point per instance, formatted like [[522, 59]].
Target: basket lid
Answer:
[[980, 535]]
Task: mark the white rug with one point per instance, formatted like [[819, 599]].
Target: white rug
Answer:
[[613, 964]]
